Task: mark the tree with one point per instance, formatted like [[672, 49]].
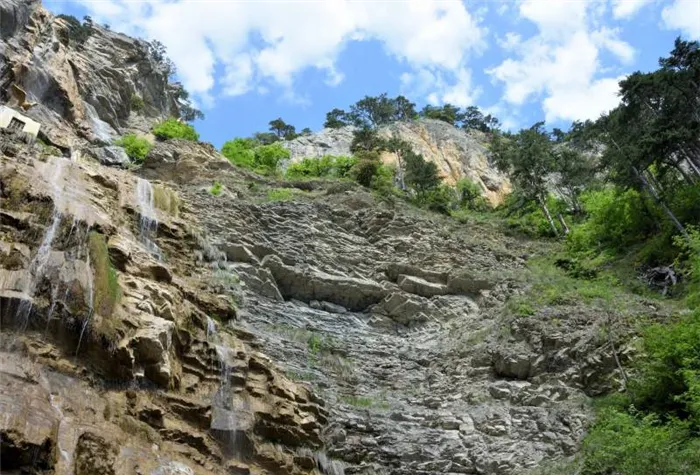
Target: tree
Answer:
[[372, 112], [367, 140], [306, 131], [336, 119], [282, 130], [446, 113], [404, 110], [475, 119], [265, 138], [401, 149], [529, 158], [421, 175]]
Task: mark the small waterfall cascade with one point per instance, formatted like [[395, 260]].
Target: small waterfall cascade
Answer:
[[102, 129], [148, 221], [41, 259], [223, 419], [91, 302], [211, 328]]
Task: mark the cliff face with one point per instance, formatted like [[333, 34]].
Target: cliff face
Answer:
[[84, 89], [456, 152]]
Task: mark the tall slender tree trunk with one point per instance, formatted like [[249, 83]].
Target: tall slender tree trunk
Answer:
[[546, 212], [563, 224], [661, 203]]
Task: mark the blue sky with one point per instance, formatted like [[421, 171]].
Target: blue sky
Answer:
[[248, 62]]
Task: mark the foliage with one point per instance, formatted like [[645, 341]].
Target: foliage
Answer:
[[174, 129], [367, 139], [249, 153], [367, 167], [282, 130], [469, 118], [639, 444], [336, 119], [78, 32], [281, 194], [265, 138], [136, 147], [614, 220], [216, 188], [371, 112], [469, 195], [421, 175], [439, 199], [325, 167], [137, 103]]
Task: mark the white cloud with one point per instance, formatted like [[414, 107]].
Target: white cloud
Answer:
[[270, 43], [627, 8], [561, 64], [683, 15], [439, 87]]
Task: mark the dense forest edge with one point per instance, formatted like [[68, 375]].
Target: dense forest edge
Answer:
[[619, 197]]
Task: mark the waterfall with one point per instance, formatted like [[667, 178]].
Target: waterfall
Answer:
[[102, 129], [36, 269], [223, 418], [211, 328], [91, 300], [65, 455], [148, 221]]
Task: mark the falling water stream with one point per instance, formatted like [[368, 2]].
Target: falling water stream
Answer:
[[148, 223]]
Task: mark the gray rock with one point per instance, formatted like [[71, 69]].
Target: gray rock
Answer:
[[110, 156], [418, 286]]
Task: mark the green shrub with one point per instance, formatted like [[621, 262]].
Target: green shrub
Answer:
[[280, 194], [137, 103], [136, 147], [248, 153], [77, 32], [469, 195], [525, 216], [614, 220], [637, 444], [216, 188], [367, 167], [439, 199], [174, 129], [325, 167]]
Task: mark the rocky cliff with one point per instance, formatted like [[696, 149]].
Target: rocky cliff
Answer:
[[456, 152], [85, 88], [152, 327]]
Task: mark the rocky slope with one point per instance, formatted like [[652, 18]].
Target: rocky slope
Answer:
[[456, 152]]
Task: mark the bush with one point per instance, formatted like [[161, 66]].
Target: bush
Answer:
[[635, 444], [439, 199], [525, 216], [324, 167], [136, 147], [137, 103], [367, 167], [615, 220], [174, 129], [469, 195], [248, 153], [77, 32], [216, 188]]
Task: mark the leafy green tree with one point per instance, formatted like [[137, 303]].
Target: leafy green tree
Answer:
[[473, 118], [372, 112], [421, 175], [265, 138], [367, 139], [529, 158], [174, 129], [446, 113], [469, 195], [282, 130], [306, 131], [251, 154], [404, 110], [336, 119]]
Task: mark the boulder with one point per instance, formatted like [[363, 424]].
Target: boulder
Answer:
[[418, 286], [110, 156], [353, 293]]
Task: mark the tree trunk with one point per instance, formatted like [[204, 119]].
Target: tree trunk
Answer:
[[545, 210], [563, 224], [661, 203]]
